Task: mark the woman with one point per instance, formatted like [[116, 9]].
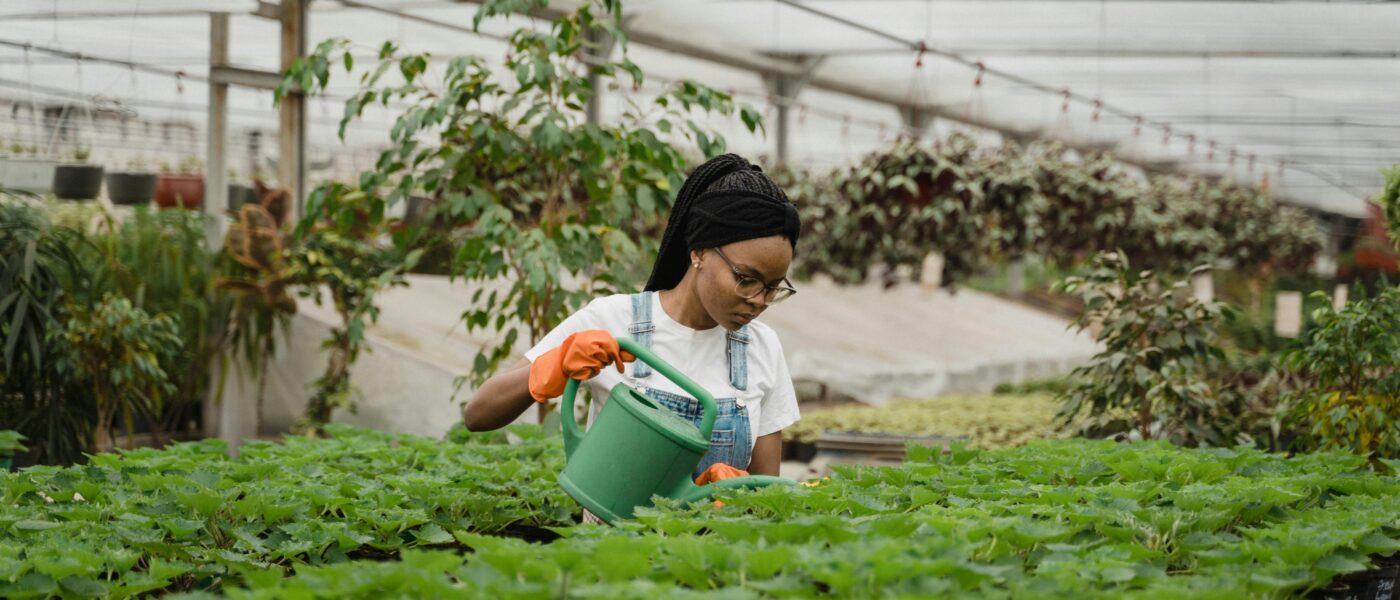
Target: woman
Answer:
[[723, 260]]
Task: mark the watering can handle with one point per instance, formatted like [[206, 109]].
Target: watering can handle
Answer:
[[572, 435]]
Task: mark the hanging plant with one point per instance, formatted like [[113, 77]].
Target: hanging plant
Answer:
[[1295, 239], [840, 239], [1014, 201], [1174, 229], [1090, 203], [923, 198]]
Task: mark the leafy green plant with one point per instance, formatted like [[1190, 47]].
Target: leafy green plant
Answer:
[[254, 271], [1157, 340], [353, 269], [924, 198], [1015, 202], [42, 268], [190, 165], [1258, 398], [366, 514], [1389, 201], [1354, 356], [986, 421], [1176, 232], [11, 443], [189, 517], [161, 261], [543, 197], [1091, 204], [78, 254], [1054, 386], [116, 349]]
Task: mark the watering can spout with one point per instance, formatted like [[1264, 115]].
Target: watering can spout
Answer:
[[700, 493]]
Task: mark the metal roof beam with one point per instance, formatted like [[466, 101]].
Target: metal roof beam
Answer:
[[1139, 53]]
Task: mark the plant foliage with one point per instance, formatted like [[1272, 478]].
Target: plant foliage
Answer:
[[1158, 341], [367, 515], [1353, 356], [551, 208]]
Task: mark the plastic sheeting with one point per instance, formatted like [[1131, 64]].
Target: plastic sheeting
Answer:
[[871, 343], [1310, 84]]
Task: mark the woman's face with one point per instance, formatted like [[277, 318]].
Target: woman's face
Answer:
[[765, 259]]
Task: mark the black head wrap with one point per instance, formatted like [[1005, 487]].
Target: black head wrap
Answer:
[[725, 200]]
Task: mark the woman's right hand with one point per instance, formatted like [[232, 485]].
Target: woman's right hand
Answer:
[[581, 357]]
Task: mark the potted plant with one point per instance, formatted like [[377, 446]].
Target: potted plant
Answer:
[[133, 186], [9, 446], [184, 188], [239, 193], [29, 172], [77, 180]]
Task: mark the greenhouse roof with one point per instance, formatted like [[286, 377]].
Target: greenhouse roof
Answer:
[[1303, 93]]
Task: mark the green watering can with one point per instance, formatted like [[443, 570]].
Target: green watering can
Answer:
[[638, 449]]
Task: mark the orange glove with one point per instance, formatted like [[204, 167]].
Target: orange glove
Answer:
[[719, 472], [581, 357]]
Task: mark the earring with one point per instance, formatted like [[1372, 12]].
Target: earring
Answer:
[[696, 265]]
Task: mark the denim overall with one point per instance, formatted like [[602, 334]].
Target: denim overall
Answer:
[[730, 440]]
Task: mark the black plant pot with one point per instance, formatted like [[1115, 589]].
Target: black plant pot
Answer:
[[419, 210], [239, 194], [129, 189], [77, 182]]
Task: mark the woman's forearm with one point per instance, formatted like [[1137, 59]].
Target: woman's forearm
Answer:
[[500, 400], [767, 454]]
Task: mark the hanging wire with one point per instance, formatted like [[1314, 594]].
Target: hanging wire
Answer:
[[35, 130], [977, 99], [87, 105]]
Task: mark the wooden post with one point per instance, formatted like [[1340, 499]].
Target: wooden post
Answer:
[[931, 275], [1203, 286], [1016, 278], [291, 168], [1288, 314], [215, 183]]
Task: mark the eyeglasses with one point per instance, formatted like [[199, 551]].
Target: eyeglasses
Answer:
[[748, 287]]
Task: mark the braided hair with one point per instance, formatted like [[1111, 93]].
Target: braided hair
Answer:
[[727, 199]]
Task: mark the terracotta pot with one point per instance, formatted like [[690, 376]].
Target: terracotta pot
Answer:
[[180, 190]]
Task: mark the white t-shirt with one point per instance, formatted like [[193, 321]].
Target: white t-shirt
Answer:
[[699, 354]]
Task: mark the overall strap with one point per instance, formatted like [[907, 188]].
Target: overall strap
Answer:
[[641, 330], [737, 351]]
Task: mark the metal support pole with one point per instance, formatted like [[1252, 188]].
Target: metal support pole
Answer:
[[784, 88], [215, 183], [291, 171], [601, 51]]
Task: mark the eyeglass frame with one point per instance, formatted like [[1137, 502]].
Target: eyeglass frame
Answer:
[[739, 276]]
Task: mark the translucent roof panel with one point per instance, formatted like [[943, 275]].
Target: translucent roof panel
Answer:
[[1303, 92]]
